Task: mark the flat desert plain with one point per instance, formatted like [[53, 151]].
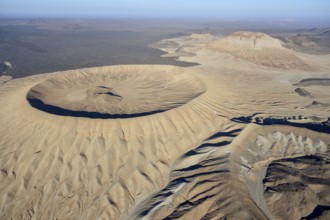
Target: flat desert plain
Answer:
[[243, 135]]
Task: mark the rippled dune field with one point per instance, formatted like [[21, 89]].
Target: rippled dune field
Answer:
[[243, 135]]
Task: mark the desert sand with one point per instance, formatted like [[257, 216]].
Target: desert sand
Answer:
[[244, 135]]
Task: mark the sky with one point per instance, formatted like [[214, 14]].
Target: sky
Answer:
[[319, 9]]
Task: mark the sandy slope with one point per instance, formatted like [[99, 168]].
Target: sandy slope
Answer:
[[260, 49], [163, 142]]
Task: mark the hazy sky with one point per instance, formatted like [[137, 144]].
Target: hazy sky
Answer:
[[167, 8]]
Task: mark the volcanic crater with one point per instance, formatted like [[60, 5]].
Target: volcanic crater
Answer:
[[115, 92]]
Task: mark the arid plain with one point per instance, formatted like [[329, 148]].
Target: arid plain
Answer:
[[245, 134]]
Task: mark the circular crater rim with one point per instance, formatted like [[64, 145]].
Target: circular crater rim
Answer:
[[170, 89]]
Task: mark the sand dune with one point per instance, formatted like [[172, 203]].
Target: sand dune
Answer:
[[165, 142]]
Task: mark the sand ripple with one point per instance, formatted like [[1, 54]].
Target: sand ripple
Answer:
[[164, 142]]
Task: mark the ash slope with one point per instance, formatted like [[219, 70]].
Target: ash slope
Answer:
[[55, 166], [236, 174], [189, 159], [258, 48]]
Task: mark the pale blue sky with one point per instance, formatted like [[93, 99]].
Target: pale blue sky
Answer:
[[167, 8]]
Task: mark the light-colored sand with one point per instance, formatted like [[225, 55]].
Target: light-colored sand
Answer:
[[258, 48], [164, 142], [4, 79], [119, 90]]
